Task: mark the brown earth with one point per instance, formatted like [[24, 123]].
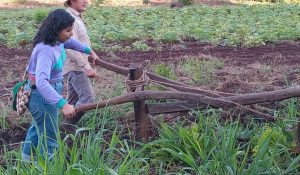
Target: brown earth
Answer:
[[274, 63], [27, 4], [252, 69]]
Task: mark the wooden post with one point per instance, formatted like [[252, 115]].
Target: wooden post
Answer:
[[142, 121]]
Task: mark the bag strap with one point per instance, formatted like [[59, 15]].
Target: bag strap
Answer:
[[25, 75]]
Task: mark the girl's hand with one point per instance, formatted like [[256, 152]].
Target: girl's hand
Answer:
[[94, 56], [68, 111]]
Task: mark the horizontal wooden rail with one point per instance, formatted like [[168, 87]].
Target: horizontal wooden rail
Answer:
[[171, 107], [223, 102]]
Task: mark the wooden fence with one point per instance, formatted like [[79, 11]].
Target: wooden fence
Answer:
[[187, 97]]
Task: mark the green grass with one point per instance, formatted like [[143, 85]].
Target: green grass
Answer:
[[197, 70], [164, 70], [207, 145]]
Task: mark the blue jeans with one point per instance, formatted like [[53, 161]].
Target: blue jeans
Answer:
[[42, 133]]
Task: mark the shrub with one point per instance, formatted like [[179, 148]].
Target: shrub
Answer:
[[186, 2], [139, 45], [165, 71], [40, 15]]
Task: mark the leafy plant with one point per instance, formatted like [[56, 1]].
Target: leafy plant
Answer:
[[164, 70], [228, 25], [139, 45], [110, 36], [274, 135], [187, 2], [40, 15]]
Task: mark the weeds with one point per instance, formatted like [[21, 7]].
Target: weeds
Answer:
[[40, 15], [201, 71], [3, 122], [165, 71], [206, 146], [139, 45]]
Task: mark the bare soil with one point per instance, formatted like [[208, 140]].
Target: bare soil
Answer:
[[27, 4]]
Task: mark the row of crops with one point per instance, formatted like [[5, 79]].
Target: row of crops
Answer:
[[230, 25], [200, 142]]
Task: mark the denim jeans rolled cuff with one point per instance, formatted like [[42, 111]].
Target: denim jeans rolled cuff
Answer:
[[42, 134], [32, 147]]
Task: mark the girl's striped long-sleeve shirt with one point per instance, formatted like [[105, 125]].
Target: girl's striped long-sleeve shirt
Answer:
[[46, 65]]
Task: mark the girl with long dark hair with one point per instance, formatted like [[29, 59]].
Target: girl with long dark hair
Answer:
[[46, 82]]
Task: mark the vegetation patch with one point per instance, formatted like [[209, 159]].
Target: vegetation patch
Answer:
[[229, 25], [201, 71]]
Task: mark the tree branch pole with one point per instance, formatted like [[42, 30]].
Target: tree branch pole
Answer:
[[161, 80], [225, 102], [125, 71]]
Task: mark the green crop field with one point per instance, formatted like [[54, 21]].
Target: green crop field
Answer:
[[207, 141]]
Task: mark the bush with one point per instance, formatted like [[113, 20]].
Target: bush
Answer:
[[165, 71], [140, 45], [186, 2], [111, 36], [40, 15]]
